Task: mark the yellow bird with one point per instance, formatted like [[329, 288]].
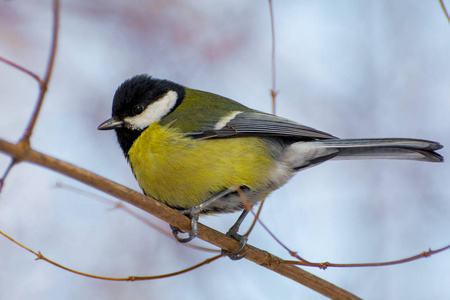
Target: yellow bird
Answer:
[[191, 149]]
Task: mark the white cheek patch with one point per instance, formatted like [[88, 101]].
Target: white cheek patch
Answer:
[[227, 118], [154, 112]]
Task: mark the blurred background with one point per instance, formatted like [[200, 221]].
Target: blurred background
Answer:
[[350, 68]]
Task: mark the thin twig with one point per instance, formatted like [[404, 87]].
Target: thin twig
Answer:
[[445, 10], [292, 253], [256, 218], [325, 265], [122, 206], [24, 143], [273, 94], [5, 174], [20, 68], [206, 261], [48, 73], [273, 91], [40, 256]]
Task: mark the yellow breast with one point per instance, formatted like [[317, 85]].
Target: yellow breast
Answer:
[[183, 172]]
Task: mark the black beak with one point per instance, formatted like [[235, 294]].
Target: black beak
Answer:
[[109, 124]]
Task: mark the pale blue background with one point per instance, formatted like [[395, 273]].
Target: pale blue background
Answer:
[[351, 68]]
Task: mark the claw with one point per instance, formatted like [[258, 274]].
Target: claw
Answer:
[[192, 234], [242, 239]]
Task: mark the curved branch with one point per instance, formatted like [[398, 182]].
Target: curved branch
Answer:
[[43, 85], [48, 73], [22, 69], [171, 216]]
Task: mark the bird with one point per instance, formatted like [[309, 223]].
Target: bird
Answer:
[[202, 153]]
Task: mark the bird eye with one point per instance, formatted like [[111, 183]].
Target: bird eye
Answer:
[[138, 109]]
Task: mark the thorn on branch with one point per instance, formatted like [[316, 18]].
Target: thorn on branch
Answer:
[[119, 205], [39, 256], [324, 265], [273, 93], [427, 253]]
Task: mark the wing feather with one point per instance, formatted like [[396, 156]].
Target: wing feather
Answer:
[[260, 124]]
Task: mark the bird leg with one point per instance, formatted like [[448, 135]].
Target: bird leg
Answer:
[[194, 213], [242, 239]]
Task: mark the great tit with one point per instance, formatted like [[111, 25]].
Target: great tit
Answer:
[[192, 150]]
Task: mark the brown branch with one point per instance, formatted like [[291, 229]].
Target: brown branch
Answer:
[[273, 91], [292, 253], [22, 69], [171, 216], [24, 143], [40, 256], [48, 73], [445, 10], [256, 217], [206, 261], [325, 265], [5, 174]]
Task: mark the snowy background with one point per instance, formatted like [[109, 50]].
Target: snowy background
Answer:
[[350, 68]]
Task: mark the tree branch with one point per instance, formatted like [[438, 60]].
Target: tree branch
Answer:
[[171, 216], [43, 85]]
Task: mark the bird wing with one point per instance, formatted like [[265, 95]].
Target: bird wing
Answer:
[[238, 124]]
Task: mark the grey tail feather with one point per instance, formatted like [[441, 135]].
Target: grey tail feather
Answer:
[[384, 148]]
